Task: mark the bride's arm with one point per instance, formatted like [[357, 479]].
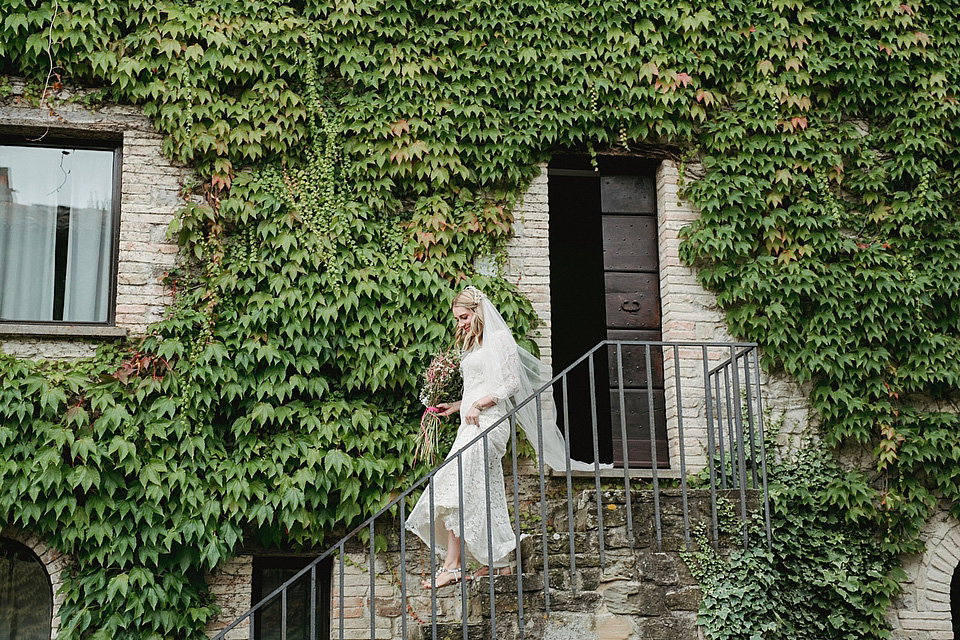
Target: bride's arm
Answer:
[[448, 408]]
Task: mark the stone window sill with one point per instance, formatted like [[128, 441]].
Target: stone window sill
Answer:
[[61, 331]]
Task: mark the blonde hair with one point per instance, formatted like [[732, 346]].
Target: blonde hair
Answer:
[[471, 338]]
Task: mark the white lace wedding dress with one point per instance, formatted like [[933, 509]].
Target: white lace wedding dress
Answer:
[[479, 379]]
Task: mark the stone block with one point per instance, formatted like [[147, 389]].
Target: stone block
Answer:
[[684, 599], [614, 627], [579, 602], [388, 607], [510, 603], [567, 626], [668, 628], [589, 579], [633, 598], [659, 568]]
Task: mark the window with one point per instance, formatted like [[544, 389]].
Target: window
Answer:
[[58, 232], [26, 597], [269, 572]]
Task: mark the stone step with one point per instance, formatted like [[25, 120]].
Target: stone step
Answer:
[[452, 631], [507, 599]]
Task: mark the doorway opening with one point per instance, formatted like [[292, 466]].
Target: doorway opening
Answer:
[[605, 285]]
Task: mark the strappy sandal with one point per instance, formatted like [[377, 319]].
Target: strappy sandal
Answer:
[[457, 577], [484, 571]]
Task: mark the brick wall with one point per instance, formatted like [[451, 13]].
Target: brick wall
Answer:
[[150, 194], [528, 256], [231, 584]]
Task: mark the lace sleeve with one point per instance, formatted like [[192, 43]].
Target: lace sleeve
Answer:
[[506, 381]]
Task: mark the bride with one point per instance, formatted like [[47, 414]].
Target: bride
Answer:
[[497, 375]]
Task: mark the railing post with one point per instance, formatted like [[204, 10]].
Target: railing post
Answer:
[[623, 438], [751, 424], [516, 514], [403, 570], [763, 454], [596, 457], [342, 560], [463, 548], [651, 416], [682, 447], [283, 615], [741, 462], [490, 579], [572, 540], [313, 602], [433, 564], [543, 513], [710, 447], [373, 581]]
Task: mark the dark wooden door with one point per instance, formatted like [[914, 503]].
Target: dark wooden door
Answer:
[[604, 284], [632, 310]]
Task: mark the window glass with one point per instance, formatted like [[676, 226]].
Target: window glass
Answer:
[[26, 597], [56, 233], [271, 572]]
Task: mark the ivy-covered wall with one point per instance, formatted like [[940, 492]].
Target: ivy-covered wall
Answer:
[[356, 156]]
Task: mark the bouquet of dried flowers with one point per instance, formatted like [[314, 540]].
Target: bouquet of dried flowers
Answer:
[[442, 382]]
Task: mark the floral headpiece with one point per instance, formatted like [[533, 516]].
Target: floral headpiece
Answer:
[[477, 294]]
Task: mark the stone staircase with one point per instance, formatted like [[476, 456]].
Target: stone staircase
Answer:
[[645, 591]]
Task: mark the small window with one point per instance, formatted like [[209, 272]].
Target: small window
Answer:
[[26, 597], [269, 572], [58, 233]]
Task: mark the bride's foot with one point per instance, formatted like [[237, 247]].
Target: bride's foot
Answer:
[[499, 571], [444, 578]]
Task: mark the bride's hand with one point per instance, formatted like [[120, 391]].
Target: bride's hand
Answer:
[[446, 408], [472, 416]]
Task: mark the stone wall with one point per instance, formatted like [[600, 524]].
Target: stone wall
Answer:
[[922, 610], [636, 590], [150, 194]]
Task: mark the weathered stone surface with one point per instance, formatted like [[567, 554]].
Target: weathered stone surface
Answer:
[[583, 601], [633, 598], [612, 627], [660, 568], [454, 631], [684, 599], [668, 628], [510, 603], [564, 626], [389, 607], [590, 578]]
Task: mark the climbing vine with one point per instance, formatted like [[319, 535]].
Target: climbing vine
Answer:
[[822, 578], [356, 157]]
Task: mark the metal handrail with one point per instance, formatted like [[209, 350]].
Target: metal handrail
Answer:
[[730, 365]]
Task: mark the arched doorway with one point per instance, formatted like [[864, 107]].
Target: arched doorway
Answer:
[[26, 594]]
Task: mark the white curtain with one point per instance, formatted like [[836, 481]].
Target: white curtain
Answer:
[[40, 182], [88, 265], [28, 236]]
